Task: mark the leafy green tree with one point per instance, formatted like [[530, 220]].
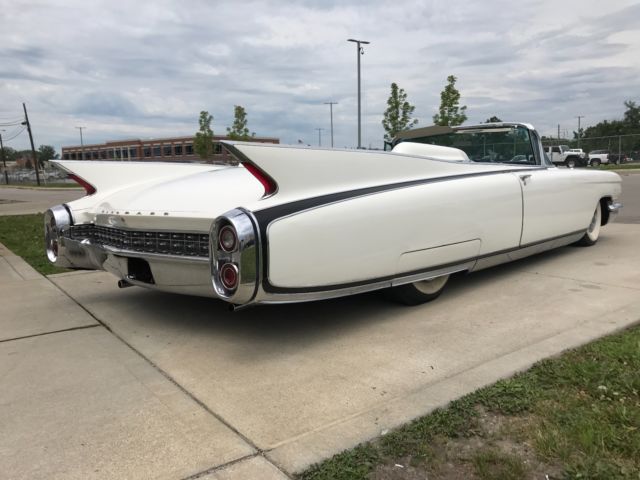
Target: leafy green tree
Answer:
[[46, 153], [203, 143], [493, 119], [450, 113], [397, 116], [239, 129], [632, 115]]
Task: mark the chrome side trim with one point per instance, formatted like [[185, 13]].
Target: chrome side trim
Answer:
[[276, 298]]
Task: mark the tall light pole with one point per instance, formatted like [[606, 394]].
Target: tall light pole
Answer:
[[33, 148], [359, 52], [331, 104], [81, 141], [579, 117], [4, 160], [319, 136]]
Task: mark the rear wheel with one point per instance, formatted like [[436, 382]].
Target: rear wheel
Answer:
[[420, 292], [595, 162], [593, 232], [570, 162]]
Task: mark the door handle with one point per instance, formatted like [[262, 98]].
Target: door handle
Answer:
[[524, 178]]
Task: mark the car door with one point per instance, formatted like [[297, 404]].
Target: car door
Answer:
[[556, 202]]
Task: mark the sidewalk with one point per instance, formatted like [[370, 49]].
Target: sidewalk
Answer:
[[79, 403], [102, 382]]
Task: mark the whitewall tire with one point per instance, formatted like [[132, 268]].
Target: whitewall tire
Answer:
[[419, 292], [593, 231]]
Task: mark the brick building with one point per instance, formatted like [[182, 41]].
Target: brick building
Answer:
[[175, 149]]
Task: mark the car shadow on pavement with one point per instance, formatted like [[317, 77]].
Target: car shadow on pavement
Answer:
[[136, 313]]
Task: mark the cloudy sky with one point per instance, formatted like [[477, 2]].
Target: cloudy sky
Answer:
[[141, 69]]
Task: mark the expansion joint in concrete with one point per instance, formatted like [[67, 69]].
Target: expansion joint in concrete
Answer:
[[42, 334]]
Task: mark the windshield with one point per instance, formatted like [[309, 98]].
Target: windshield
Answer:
[[499, 145]]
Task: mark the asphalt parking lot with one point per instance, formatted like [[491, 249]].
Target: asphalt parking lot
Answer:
[[99, 382]]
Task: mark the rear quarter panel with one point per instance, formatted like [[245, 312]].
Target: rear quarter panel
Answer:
[[365, 238]]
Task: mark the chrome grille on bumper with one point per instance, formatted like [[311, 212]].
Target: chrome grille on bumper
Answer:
[[162, 242]]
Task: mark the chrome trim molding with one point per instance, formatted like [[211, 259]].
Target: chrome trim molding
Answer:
[[245, 257], [614, 207], [275, 298]]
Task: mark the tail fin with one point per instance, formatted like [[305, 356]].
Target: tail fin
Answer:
[[107, 175], [296, 172]]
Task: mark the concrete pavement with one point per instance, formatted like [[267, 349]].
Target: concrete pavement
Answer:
[[98, 382], [22, 201], [76, 402], [303, 382]]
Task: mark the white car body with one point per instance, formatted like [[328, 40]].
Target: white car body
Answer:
[[315, 223]]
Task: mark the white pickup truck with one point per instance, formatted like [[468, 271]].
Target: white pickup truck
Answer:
[[569, 157]]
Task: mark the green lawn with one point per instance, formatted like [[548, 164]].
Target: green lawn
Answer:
[[24, 236], [576, 417], [624, 166]]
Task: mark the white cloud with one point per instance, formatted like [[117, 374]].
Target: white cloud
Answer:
[[129, 69]]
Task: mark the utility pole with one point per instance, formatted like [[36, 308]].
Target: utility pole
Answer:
[[579, 117], [331, 104], [319, 136], [81, 141], [33, 149], [558, 134], [359, 51], [4, 160]]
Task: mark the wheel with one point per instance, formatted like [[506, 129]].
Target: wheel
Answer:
[[420, 292], [570, 162], [595, 162], [593, 232]]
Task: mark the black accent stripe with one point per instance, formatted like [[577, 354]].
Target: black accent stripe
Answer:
[[266, 216]]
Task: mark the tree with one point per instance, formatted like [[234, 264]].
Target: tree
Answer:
[[46, 153], [493, 119], [632, 115], [450, 113], [397, 116], [203, 143], [239, 130]]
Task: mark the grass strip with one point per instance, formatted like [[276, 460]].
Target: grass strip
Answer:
[[24, 236], [575, 416]]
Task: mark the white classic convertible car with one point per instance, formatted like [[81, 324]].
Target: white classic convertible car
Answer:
[[293, 224]]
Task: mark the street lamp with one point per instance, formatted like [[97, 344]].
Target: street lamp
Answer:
[[331, 104], [579, 117], [359, 51], [4, 161], [81, 142]]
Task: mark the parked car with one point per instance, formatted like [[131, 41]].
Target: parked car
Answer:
[[294, 224], [618, 158], [597, 157], [569, 157]]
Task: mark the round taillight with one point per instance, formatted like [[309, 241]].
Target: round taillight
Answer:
[[229, 276], [227, 239]]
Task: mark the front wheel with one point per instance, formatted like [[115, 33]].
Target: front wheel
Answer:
[[595, 162], [593, 232], [420, 292], [570, 162]]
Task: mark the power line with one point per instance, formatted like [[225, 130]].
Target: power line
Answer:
[[11, 123], [5, 139]]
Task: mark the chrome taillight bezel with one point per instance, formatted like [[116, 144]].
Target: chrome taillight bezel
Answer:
[[244, 257], [57, 221]]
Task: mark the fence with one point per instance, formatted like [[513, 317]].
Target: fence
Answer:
[[628, 144], [27, 176]]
